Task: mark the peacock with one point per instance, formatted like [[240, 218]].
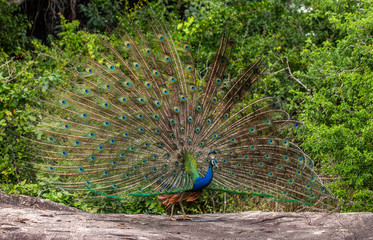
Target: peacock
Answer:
[[140, 122]]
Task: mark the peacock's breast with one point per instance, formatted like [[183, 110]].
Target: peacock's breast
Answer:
[[203, 182]]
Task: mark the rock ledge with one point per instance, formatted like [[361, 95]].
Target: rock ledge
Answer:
[[23, 217]]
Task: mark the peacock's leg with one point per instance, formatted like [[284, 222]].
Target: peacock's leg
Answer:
[[172, 212], [185, 217]]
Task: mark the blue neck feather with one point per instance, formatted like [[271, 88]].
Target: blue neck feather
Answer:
[[203, 182]]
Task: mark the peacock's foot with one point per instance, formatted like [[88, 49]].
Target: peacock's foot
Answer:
[[172, 218], [187, 218]]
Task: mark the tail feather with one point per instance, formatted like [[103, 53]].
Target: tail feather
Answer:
[[124, 119]]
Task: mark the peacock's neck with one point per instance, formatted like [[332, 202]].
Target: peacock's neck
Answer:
[[191, 167], [202, 182]]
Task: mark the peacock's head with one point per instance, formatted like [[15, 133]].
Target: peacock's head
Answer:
[[212, 155]]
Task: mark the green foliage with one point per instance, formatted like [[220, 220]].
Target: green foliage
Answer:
[[339, 114], [14, 28], [16, 117], [325, 45], [100, 14]]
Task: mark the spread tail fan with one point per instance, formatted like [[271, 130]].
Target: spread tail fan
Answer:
[[138, 121]]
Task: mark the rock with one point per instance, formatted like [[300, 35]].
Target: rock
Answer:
[[23, 217]]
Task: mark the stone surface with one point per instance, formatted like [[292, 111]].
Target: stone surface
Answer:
[[23, 217]]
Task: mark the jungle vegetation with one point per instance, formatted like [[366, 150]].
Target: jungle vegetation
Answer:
[[318, 56]]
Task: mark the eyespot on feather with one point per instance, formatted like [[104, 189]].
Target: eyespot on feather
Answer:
[[156, 73], [189, 67], [172, 79], [160, 36], [136, 65]]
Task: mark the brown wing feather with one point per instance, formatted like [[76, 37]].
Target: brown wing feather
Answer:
[[177, 197]]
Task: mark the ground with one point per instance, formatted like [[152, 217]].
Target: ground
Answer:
[[23, 217]]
